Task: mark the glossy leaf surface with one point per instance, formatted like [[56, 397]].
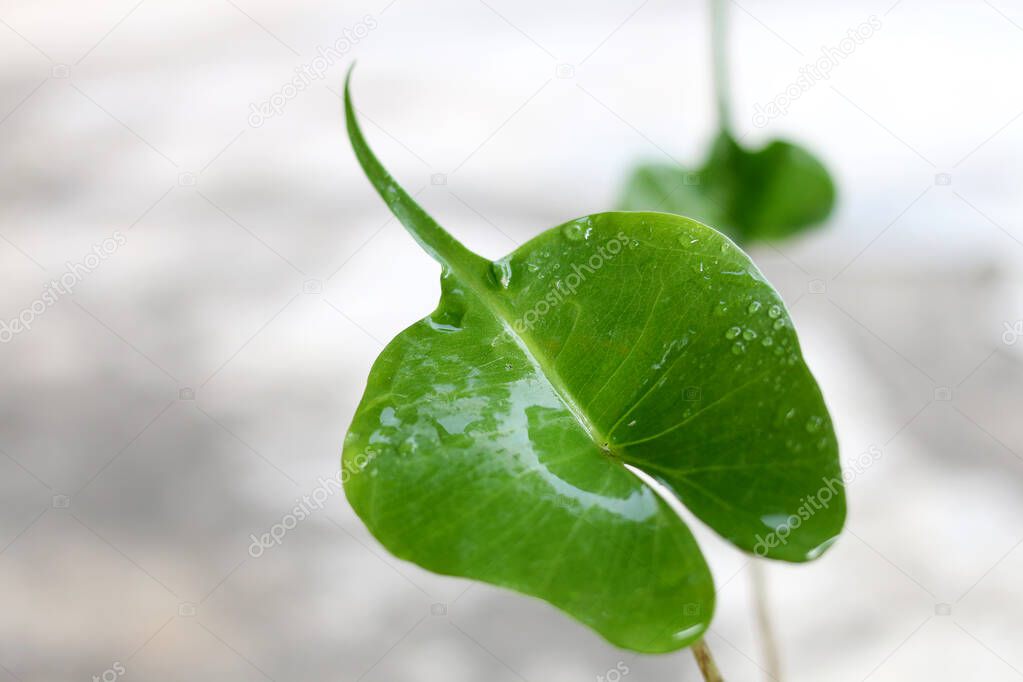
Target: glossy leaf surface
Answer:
[[492, 439], [765, 195]]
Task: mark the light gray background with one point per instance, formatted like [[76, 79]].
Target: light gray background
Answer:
[[107, 107]]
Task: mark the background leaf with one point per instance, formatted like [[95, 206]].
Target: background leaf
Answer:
[[766, 195]]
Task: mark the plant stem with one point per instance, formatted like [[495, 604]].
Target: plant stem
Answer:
[[768, 643], [708, 668], [719, 50]]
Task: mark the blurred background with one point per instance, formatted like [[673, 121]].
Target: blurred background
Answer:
[[227, 276]]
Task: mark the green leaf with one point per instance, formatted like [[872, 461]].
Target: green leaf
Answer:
[[765, 195], [493, 437]]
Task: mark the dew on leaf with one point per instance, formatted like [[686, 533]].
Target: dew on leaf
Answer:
[[502, 272], [572, 232]]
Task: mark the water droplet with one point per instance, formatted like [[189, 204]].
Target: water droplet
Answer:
[[768, 341], [738, 348], [774, 312], [749, 335], [446, 320], [732, 333], [753, 307], [721, 308], [573, 232], [778, 324], [813, 424], [725, 247], [502, 272]]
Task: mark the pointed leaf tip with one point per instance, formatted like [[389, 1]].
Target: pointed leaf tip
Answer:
[[434, 239]]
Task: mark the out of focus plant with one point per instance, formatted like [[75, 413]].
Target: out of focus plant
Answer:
[[766, 194]]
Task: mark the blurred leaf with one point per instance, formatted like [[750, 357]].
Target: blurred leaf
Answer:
[[493, 436], [766, 195]]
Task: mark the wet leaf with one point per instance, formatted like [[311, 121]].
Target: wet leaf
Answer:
[[494, 435]]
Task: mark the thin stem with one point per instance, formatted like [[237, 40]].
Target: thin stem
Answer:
[[768, 643], [708, 668], [719, 53]]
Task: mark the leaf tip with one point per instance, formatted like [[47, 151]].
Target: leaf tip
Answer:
[[348, 88]]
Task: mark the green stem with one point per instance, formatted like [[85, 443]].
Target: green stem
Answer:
[[768, 643], [719, 53], [708, 668]]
